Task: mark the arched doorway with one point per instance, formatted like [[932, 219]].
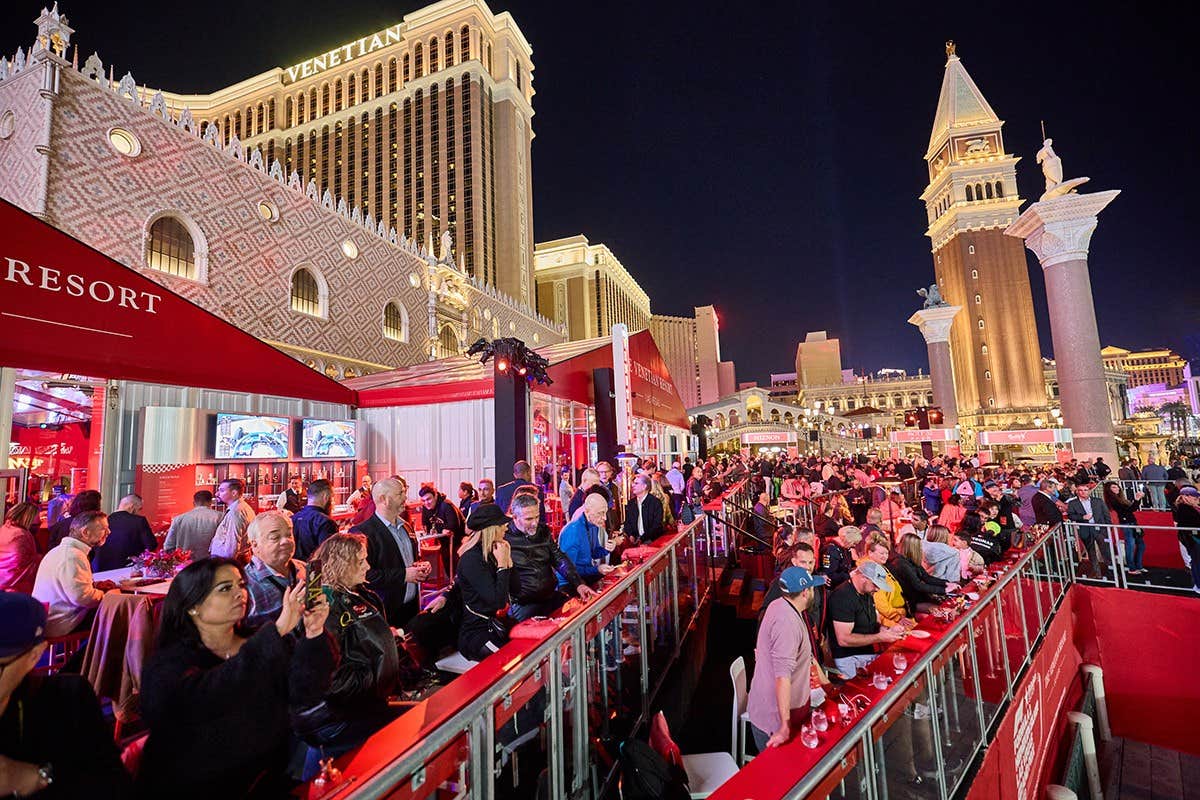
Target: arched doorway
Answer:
[[448, 344]]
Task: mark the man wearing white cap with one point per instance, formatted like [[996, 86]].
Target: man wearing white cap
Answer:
[[783, 660]]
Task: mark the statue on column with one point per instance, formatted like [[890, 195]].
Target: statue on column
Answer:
[[933, 296], [1052, 169]]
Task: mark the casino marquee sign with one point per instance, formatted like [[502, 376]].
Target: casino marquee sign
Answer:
[[342, 55]]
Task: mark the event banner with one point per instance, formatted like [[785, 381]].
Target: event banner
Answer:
[[1033, 725]]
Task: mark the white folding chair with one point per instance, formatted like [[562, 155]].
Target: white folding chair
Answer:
[[741, 719]]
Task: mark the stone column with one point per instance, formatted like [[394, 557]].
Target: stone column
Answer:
[[935, 327], [1058, 231]]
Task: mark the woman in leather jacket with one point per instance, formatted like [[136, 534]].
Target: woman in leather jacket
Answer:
[[336, 705], [920, 589]]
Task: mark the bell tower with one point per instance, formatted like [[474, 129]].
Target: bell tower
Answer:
[[970, 199]]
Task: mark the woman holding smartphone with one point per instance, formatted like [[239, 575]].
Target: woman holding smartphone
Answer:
[[342, 700]]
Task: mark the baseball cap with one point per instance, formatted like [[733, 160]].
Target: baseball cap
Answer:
[[797, 579], [22, 623], [989, 484], [875, 572], [1190, 491]]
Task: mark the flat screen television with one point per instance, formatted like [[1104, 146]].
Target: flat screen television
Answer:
[[251, 436], [328, 438]]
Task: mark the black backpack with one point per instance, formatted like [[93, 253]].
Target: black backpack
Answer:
[[646, 776]]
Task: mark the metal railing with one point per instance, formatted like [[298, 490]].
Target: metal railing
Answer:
[[570, 698], [921, 738], [1117, 546]]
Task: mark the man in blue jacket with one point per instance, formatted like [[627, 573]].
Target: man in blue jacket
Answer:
[[584, 540]]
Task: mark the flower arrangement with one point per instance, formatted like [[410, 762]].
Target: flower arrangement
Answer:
[[159, 563]]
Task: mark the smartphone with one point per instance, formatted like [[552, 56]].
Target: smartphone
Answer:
[[312, 584]]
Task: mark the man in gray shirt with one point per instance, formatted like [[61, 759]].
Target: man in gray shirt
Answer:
[[194, 530]]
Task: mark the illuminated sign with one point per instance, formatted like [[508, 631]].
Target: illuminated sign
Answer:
[[343, 54], [930, 435], [768, 437], [1035, 436], [49, 279], [622, 383]]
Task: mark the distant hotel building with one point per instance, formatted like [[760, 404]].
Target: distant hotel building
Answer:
[[1145, 367], [366, 209], [585, 287]]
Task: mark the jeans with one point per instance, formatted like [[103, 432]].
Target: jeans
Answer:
[[1135, 548], [520, 612], [850, 665], [760, 737], [1158, 496]]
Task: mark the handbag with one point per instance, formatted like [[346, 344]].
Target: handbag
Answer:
[[498, 626]]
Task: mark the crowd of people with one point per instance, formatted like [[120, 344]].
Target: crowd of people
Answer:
[[313, 627]]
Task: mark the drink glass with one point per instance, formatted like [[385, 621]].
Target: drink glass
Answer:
[[808, 737], [879, 681], [900, 662], [820, 720]]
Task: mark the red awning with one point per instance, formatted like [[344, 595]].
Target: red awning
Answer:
[[457, 378], [65, 307]]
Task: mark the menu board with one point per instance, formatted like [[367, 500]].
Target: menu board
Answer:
[[251, 436], [328, 438]]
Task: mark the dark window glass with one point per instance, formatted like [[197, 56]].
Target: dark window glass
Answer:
[[433, 55], [408, 167], [379, 80], [418, 61], [351, 87], [324, 99], [468, 194], [287, 113], [464, 44], [391, 166], [419, 154], [435, 171], [449, 49], [393, 323], [451, 168], [378, 204], [337, 95], [407, 68], [391, 75], [338, 162]]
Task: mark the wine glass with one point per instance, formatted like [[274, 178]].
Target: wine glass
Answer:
[[820, 720], [900, 662], [808, 737], [879, 681]]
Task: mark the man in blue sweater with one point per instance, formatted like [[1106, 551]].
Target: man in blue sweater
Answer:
[[584, 540]]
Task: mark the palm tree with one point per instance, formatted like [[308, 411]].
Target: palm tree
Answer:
[[1177, 413]]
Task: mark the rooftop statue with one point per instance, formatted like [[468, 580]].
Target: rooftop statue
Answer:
[[1053, 170]]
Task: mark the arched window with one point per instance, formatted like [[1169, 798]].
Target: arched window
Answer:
[[324, 99], [999, 189], [365, 84], [978, 192], [337, 95], [395, 322], [287, 113], [418, 61], [172, 248], [970, 194], [260, 119], [983, 350], [308, 293], [237, 124], [987, 188], [271, 114], [433, 55], [981, 323], [379, 79], [978, 299], [312, 104], [447, 344], [407, 68], [391, 75], [987, 375], [929, 399], [975, 273], [351, 87], [971, 249], [991, 401], [464, 44], [449, 48]]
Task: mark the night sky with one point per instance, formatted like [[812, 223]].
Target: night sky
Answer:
[[767, 157]]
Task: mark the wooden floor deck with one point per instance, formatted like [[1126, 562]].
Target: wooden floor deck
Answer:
[[1137, 771]]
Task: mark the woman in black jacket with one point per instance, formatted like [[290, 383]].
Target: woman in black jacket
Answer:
[[837, 559], [215, 695], [920, 589], [1122, 508], [484, 571], [337, 704]]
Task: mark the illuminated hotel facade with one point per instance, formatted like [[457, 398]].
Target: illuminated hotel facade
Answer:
[[425, 125]]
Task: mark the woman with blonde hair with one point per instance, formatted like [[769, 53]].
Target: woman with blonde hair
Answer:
[[336, 709], [656, 489], [941, 557], [921, 590], [483, 577]]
